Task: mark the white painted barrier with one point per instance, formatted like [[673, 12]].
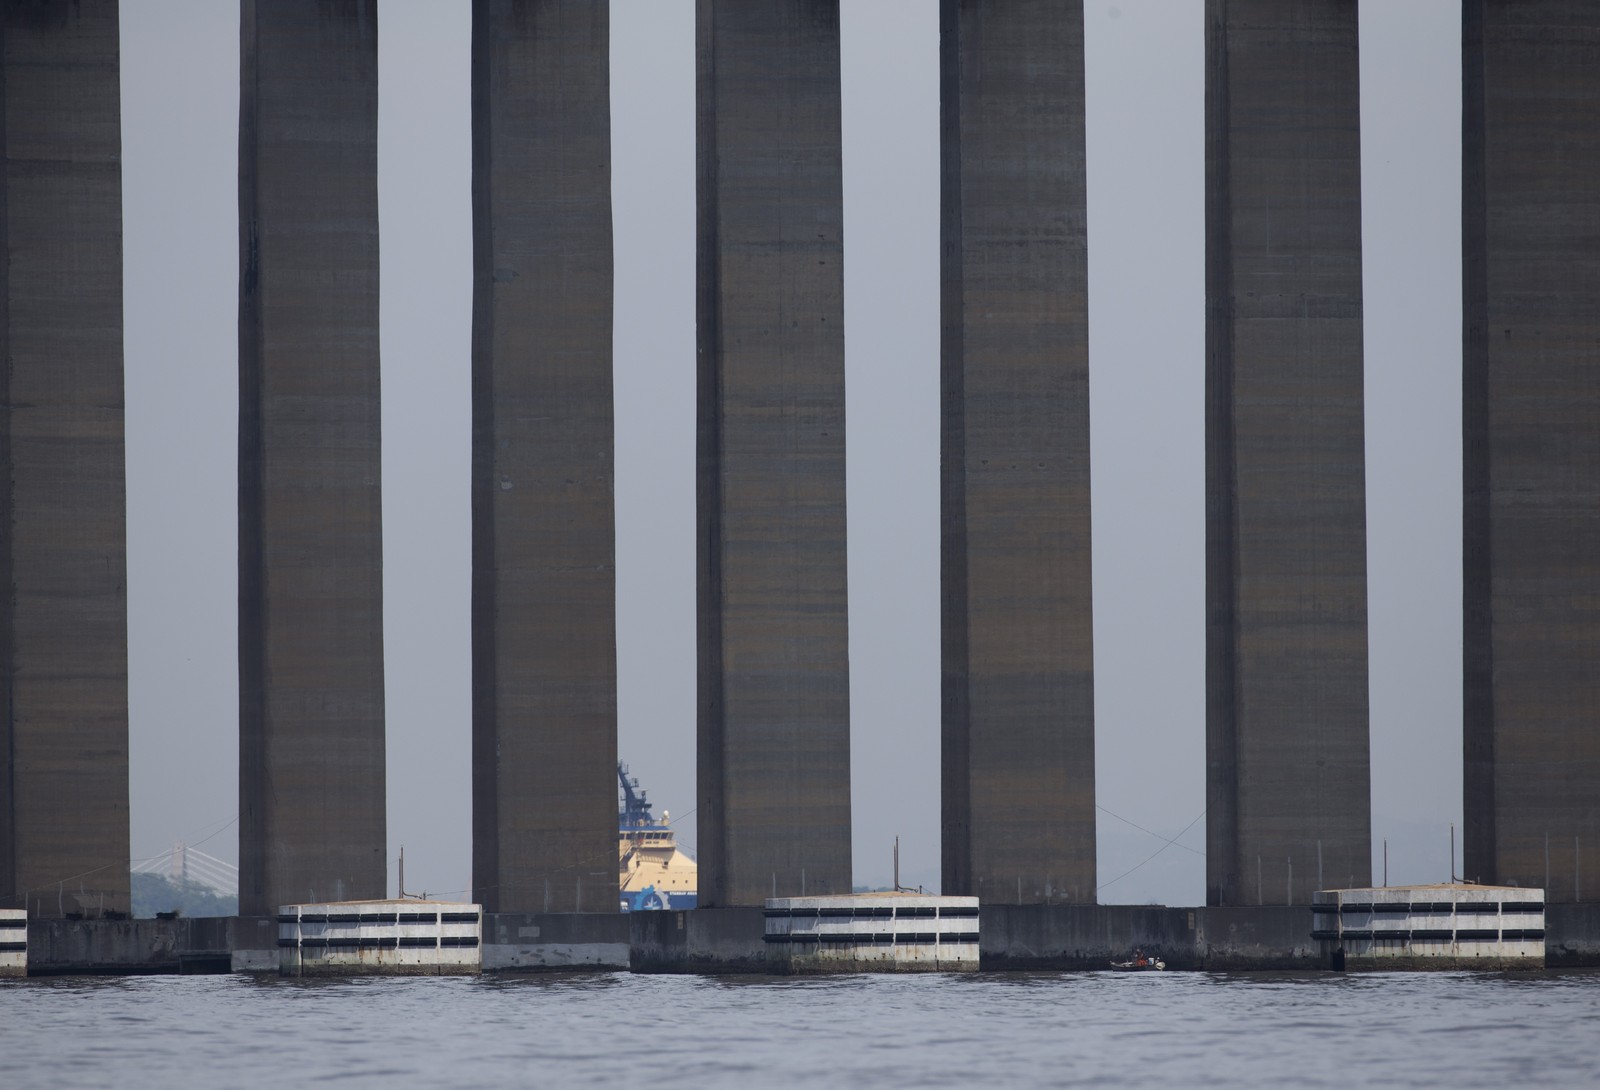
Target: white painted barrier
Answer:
[[873, 932], [401, 937], [1441, 926], [13, 942]]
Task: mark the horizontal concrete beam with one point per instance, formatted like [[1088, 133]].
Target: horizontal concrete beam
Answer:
[[130, 947], [724, 941]]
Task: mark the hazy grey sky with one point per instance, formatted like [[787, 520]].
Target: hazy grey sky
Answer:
[[1144, 70]]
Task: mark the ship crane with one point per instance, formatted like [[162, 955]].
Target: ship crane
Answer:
[[635, 806], [653, 872]]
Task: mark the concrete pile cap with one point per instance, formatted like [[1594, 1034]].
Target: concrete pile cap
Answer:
[[381, 903], [1461, 887], [881, 898]]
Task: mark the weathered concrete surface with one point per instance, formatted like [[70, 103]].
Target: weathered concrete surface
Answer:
[[1287, 777], [774, 699], [63, 532], [1086, 937], [1090, 937], [535, 942], [255, 945], [1244, 938], [1530, 214], [1571, 935], [1018, 658], [714, 941], [311, 746], [129, 947], [544, 685]]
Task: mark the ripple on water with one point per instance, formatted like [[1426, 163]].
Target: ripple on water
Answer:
[[1104, 1030]]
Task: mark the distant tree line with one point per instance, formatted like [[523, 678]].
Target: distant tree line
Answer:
[[155, 893]]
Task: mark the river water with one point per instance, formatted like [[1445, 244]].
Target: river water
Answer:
[[619, 1030]]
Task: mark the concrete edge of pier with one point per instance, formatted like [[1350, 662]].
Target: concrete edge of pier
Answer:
[[729, 941]]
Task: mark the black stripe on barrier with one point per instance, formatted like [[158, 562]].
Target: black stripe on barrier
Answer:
[[344, 917], [958, 936], [1479, 934], [458, 917], [417, 941], [916, 912], [418, 917], [1432, 935], [1509, 907], [379, 917], [458, 940], [1523, 935], [13, 924], [313, 917], [960, 912], [12, 947]]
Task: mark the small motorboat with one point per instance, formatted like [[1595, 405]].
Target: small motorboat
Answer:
[[1140, 963]]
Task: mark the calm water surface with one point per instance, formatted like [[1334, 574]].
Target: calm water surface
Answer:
[[617, 1030]]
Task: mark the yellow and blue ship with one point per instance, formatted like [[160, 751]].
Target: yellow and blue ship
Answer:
[[653, 872]]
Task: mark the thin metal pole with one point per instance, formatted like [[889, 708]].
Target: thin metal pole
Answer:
[[897, 864], [1386, 862], [1452, 851]]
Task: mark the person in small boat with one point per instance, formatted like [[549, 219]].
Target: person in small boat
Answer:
[[1139, 958]]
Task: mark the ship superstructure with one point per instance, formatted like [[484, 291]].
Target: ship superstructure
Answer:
[[653, 872]]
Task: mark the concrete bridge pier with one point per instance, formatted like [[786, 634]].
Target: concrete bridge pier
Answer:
[[63, 529], [544, 659], [311, 712], [1018, 824], [1530, 212], [774, 694], [1287, 776]]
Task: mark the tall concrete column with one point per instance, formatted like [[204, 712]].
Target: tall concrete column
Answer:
[[1530, 215], [63, 532], [311, 747], [774, 718], [544, 694], [1287, 773], [1016, 593]]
